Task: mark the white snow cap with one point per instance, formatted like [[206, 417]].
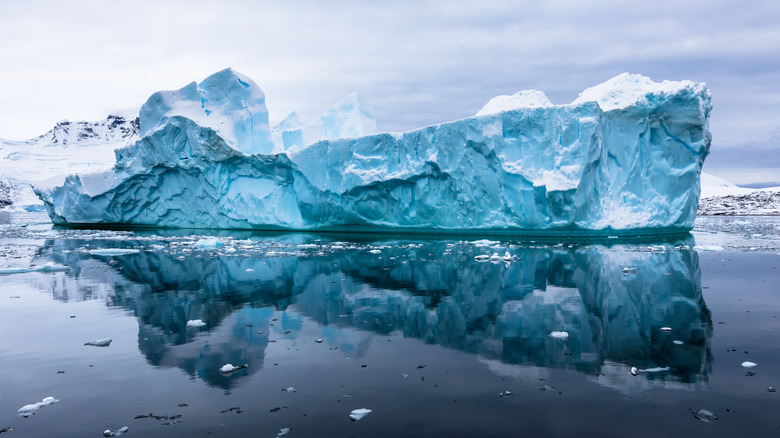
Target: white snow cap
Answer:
[[626, 89], [521, 99]]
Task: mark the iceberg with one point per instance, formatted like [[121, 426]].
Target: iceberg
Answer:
[[624, 158]]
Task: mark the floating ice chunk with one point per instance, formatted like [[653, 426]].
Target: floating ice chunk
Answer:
[[118, 432], [229, 368], [505, 393], [49, 267], [195, 323], [656, 370], [482, 258], [560, 335], [705, 415], [375, 251], [307, 246], [110, 252], [708, 247], [634, 371], [250, 270], [289, 389], [485, 242], [666, 329], [508, 257], [629, 270], [357, 414], [99, 343], [319, 341], [748, 364], [209, 243], [27, 410], [496, 258], [283, 431], [676, 342]]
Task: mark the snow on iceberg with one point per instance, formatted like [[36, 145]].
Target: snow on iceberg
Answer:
[[624, 157]]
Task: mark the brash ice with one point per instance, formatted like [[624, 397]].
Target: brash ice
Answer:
[[624, 157]]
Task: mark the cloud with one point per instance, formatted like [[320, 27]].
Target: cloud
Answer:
[[417, 62]]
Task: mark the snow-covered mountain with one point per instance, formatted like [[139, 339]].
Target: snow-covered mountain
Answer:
[[722, 197], [69, 147]]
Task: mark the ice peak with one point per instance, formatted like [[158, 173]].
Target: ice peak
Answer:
[[627, 89], [228, 102], [351, 117], [521, 99]]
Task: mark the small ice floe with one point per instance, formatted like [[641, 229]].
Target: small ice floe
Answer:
[[49, 267], [110, 252], [283, 431], [545, 388], [99, 343], [27, 410], [196, 323], [485, 242], [704, 415], [250, 270], [357, 414], [229, 368], [307, 245], [504, 393], [708, 248], [482, 258], [771, 389], [560, 335], [666, 329], [289, 389], [676, 342], [748, 364], [404, 375], [634, 370], [495, 258], [629, 270], [120, 431], [208, 243], [319, 341], [375, 251]]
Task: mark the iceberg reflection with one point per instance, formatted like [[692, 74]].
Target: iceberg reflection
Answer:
[[613, 301]]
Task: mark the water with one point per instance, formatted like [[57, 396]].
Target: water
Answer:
[[431, 340]]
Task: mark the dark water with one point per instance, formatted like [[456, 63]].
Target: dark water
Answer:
[[418, 331]]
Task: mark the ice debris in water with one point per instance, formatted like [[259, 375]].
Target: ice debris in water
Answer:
[[27, 410], [110, 252], [485, 242], [504, 393], [283, 431], [118, 432], [705, 415], [560, 335], [482, 258], [666, 329], [357, 414], [289, 389], [629, 270], [229, 368], [99, 343], [748, 364], [195, 323], [677, 342], [634, 371]]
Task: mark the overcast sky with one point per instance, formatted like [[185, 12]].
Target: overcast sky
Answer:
[[416, 62]]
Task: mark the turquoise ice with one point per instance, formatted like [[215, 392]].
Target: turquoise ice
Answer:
[[624, 157]]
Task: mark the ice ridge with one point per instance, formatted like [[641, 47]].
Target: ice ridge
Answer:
[[625, 157]]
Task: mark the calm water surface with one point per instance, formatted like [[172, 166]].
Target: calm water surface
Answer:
[[435, 341]]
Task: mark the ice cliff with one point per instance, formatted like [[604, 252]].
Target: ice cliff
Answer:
[[624, 157]]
